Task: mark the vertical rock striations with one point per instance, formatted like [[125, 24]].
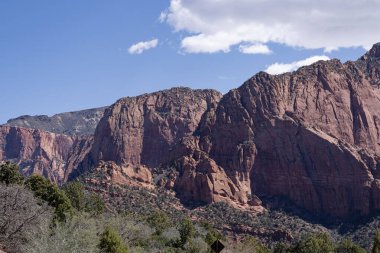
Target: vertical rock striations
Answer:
[[37, 151], [311, 136]]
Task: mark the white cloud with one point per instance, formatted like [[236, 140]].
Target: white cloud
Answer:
[[255, 49], [279, 68], [216, 25], [140, 47]]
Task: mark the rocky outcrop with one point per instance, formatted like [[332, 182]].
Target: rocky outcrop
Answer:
[[35, 151], [109, 173], [70, 123], [142, 130], [134, 135], [310, 136]]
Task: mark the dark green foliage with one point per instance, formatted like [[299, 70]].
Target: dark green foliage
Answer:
[[186, 231], [212, 234], [9, 174], [111, 242], [49, 192], [376, 243], [317, 243], [347, 246], [75, 192], [282, 248], [82, 200], [94, 204], [159, 221]]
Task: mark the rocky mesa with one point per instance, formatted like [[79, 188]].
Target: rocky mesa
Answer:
[[311, 136]]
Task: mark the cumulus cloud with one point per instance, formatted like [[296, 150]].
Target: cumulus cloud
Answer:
[[255, 49], [279, 68], [216, 25], [142, 46]]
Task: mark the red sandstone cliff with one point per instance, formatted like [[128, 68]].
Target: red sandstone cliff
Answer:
[[37, 151], [141, 130], [311, 136]]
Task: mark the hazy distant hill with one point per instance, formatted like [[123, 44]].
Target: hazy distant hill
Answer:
[[72, 123]]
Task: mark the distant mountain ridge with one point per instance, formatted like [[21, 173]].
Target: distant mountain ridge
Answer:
[[81, 122]]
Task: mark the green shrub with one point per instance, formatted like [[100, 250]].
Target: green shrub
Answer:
[[376, 243], [186, 231], [9, 174], [94, 204], [159, 221], [49, 192], [111, 242], [347, 246], [82, 200], [75, 192], [282, 248], [318, 243]]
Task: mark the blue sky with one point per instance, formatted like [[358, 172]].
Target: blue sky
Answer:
[[58, 56]]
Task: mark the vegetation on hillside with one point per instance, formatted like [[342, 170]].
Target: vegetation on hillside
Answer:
[[38, 216]]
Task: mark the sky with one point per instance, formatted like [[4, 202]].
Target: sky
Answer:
[[66, 55]]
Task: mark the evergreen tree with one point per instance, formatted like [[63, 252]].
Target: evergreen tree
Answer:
[[94, 204], [186, 231], [9, 174], [111, 242], [318, 243], [159, 221], [82, 200], [347, 246], [75, 192], [49, 192]]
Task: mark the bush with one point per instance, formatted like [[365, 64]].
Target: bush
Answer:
[[282, 248], [347, 246], [22, 217], [75, 192], [318, 243], [82, 200], [111, 242], [9, 174], [79, 233], [376, 243], [94, 204], [251, 245], [159, 221], [186, 231], [49, 192], [212, 235]]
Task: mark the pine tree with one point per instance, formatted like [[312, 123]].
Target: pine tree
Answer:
[[111, 242], [9, 174], [49, 192], [186, 231]]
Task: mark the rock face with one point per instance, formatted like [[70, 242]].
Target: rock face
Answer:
[[311, 136], [71, 123], [142, 130], [38, 152], [135, 134]]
